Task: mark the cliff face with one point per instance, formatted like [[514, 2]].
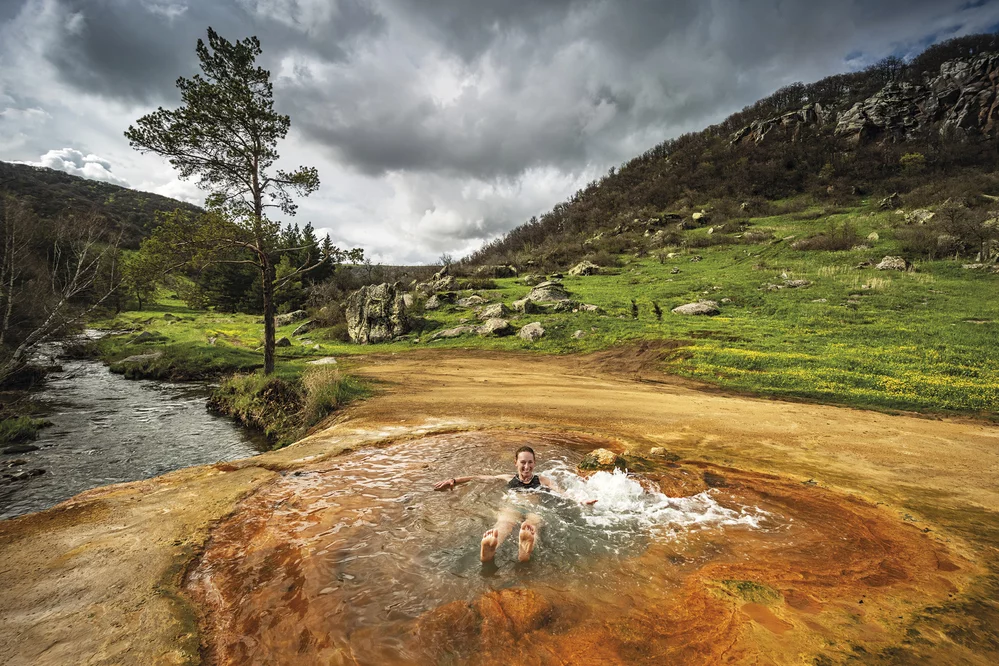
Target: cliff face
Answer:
[[961, 102]]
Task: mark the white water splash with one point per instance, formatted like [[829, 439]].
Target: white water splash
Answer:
[[622, 502]]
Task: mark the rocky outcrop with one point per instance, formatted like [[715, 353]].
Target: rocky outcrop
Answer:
[[892, 113], [375, 313], [791, 123], [442, 280]]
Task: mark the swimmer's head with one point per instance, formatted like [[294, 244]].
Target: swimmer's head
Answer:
[[525, 462]]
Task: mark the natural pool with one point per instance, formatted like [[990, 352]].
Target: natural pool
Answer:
[[357, 560]]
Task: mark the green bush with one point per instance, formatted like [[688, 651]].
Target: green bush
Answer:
[[20, 429]]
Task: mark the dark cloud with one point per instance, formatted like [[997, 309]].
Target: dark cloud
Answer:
[[135, 50]]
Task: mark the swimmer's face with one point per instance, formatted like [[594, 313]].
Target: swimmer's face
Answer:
[[525, 464]]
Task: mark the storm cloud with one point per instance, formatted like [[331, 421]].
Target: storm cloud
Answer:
[[440, 124]]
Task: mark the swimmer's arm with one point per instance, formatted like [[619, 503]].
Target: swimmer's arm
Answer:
[[448, 484], [554, 487]]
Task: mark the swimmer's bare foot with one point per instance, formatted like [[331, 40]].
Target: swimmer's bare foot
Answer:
[[490, 540], [528, 534]]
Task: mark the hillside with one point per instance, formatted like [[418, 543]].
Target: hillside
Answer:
[[924, 129], [51, 193]]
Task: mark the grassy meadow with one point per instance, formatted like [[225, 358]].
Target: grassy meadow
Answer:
[[921, 340]]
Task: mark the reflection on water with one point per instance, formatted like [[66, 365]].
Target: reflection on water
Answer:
[[349, 556], [108, 429]]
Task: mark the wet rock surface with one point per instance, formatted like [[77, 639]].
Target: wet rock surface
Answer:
[[297, 574]]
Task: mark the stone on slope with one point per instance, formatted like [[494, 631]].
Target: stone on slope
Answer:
[[708, 308], [532, 332]]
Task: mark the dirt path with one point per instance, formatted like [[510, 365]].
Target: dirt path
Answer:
[[95, 580]]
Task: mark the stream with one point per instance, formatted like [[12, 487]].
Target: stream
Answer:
[[107, 429]]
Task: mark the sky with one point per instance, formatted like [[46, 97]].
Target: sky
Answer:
[[436, 125]]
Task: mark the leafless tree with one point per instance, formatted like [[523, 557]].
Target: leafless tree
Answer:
[[50, 277]]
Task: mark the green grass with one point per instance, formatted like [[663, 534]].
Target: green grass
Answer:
[[922, 341], [20, 429]]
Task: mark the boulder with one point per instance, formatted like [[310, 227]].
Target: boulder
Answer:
[[525, 305], [433, 303], [493, 311], [290, 318], [700, 217], [442, 280], [584, 268], [589, 307], [578, 334], [891, 263], [495, 326], [282, 342], [325, 360], [455, 332], [708, 308], [532, 332], [20, 448], [471, 301], [170, 317], [601, 459], [873, 236], [549, 291], [375, 313], [531, 280], [663, 454], [919, 216], [304, 328], [496, 271], [890, 201], [145, 336], [142, 358]]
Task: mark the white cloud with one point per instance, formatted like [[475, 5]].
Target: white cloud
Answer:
[[74, 162]]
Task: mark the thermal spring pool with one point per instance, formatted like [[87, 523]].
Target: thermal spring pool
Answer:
[[358, 561]]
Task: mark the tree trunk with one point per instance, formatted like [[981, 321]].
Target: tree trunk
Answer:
[[267, 273]]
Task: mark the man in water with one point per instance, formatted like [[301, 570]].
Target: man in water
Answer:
[[524, 479]]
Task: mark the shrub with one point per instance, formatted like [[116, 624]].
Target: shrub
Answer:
[[20, 429], [837, 237], [477, 283], [326, 390]]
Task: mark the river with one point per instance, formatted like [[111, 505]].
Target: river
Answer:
[[108, 429]]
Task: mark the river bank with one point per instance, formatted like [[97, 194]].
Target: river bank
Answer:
[[125, 549]]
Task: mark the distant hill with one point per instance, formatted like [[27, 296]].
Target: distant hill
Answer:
[[924, 129], [51, 193]]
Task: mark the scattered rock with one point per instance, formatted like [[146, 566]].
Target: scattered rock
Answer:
[[919, 216], [442, 280], [726, 300], [304, 328], [820, 300], [674, 270], [493, 311], [290, 318], [145, 336], [660, 452], [325, 360], [696, 257], [455, 332], [471, 301], [795, 284], [548, 292], [20, 448], [890, 263], [604, 459], [873, 236], [584, 268], [282, 342], [589, 307], [971, 267], [531, 280], [503, 271], [170, 317], [495, 326], [142, 358], [579, 334], [700, 217], [433, 303], [889, 202], [708, 308], [532, 332], [375, 313], [525, 305]]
